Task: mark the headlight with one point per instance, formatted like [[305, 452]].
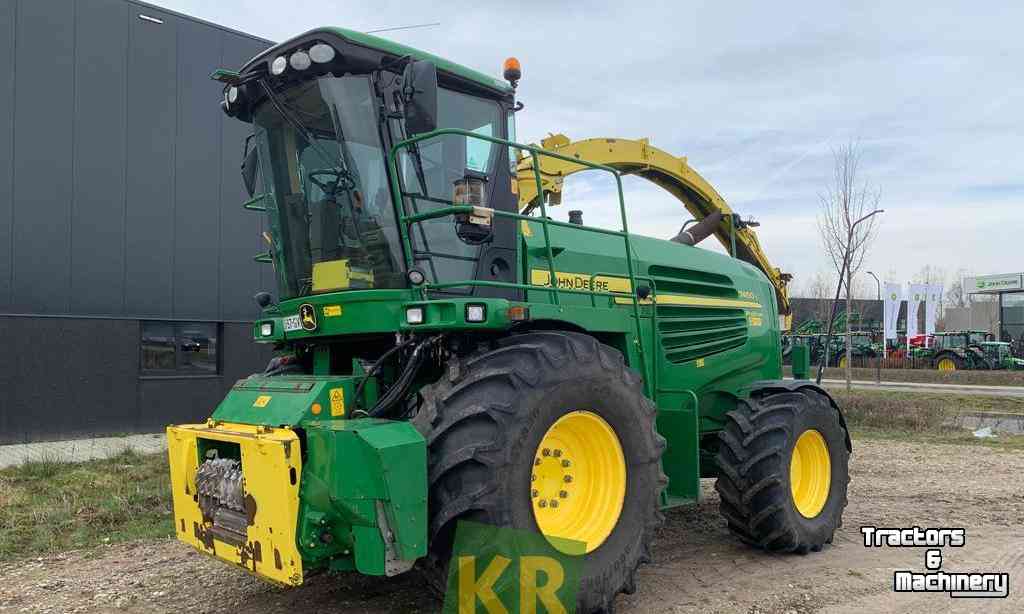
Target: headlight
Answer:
[[266, 329], [280, 63], [414, 315], [232, 94], [300, 60], [476, 313], [321, 53]]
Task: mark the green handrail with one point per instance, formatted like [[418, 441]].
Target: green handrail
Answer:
[[405, 221], [253, 204]]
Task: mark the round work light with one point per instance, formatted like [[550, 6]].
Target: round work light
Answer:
[[300, 60], [321, 53], [279, 65]]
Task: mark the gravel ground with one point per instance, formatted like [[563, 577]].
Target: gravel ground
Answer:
[[698, 567]]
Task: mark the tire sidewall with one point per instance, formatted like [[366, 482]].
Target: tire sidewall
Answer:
[[820, 528], [591, 389]]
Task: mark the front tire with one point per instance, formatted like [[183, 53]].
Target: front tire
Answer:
[[488, 422], [783, 471]]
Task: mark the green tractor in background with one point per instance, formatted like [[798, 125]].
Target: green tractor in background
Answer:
[[862, 347], [445, 354], [973, 350]]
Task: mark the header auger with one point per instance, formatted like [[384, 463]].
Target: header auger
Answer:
[[446, 354]]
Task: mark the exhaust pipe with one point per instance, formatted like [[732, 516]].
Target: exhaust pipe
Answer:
[[699, 231]]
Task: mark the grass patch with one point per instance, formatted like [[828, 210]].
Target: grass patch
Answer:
[[927, 376], [48, 506], [1002, 442], [928, 417]]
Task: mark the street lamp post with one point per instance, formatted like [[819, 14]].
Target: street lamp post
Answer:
[[835, 301], [878, 359]]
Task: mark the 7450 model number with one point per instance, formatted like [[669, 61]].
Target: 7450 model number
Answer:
[[291, 323]]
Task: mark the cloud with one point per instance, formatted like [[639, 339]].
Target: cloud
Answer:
[[756, 96]]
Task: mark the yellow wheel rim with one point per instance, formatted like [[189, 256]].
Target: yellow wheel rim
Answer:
[[842, 362], [810, 473], [579, 480], [947, 364]]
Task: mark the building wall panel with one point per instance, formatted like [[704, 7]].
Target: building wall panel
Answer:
[[43, 170], [98, 215], [8, 20], [197, 173], [64, 377], [152, 128]]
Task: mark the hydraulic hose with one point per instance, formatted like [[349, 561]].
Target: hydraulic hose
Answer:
[[377, 365], [401, 386]]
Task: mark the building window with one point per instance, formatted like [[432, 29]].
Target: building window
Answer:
[[179, 348]]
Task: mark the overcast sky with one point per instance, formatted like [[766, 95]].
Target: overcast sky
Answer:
[[756, 96]]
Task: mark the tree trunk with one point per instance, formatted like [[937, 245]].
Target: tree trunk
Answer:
[[849, 322]]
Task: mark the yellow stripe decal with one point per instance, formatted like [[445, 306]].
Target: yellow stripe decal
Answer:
[[581, 281], [695, 301]]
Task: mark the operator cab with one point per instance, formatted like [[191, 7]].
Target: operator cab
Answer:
[[327, 108]]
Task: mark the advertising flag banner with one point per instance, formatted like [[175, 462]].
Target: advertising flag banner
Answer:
[[931, 307], [916, 294], [891, 302]]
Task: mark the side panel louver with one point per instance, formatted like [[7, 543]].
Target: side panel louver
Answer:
[[689, 332]]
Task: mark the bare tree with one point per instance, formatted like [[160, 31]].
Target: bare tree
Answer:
[[930, 274], [956, 296], [845, 200], [820, 286]]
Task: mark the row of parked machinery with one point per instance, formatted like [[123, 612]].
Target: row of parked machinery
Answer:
[[945, 351]]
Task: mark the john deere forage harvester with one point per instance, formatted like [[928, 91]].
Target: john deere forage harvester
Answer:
[[445, 350]]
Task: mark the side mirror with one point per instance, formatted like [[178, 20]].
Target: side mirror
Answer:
[[250, 164], [419, 95]]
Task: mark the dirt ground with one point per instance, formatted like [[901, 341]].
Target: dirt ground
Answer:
[[697, 566]]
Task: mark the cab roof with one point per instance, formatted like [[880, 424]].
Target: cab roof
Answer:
[[386, 48]]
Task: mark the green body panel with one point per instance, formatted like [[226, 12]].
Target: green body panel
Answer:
[[381, 311], [285, 400], [360, 474]]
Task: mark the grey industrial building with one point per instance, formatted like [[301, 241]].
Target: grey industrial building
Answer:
[[126, 259]]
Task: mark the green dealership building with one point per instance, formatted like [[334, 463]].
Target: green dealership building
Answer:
[[1009, 290]]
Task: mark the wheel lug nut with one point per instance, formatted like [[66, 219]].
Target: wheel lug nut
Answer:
[[543, 503], [534, 493], [533, 478], [554, 503], [567, 479], [536, 461], [557, 452], [563, 494], [566, 463], [545, 452]]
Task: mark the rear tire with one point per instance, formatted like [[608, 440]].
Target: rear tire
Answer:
[[756, 466], [949, 362], [484, 421]]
